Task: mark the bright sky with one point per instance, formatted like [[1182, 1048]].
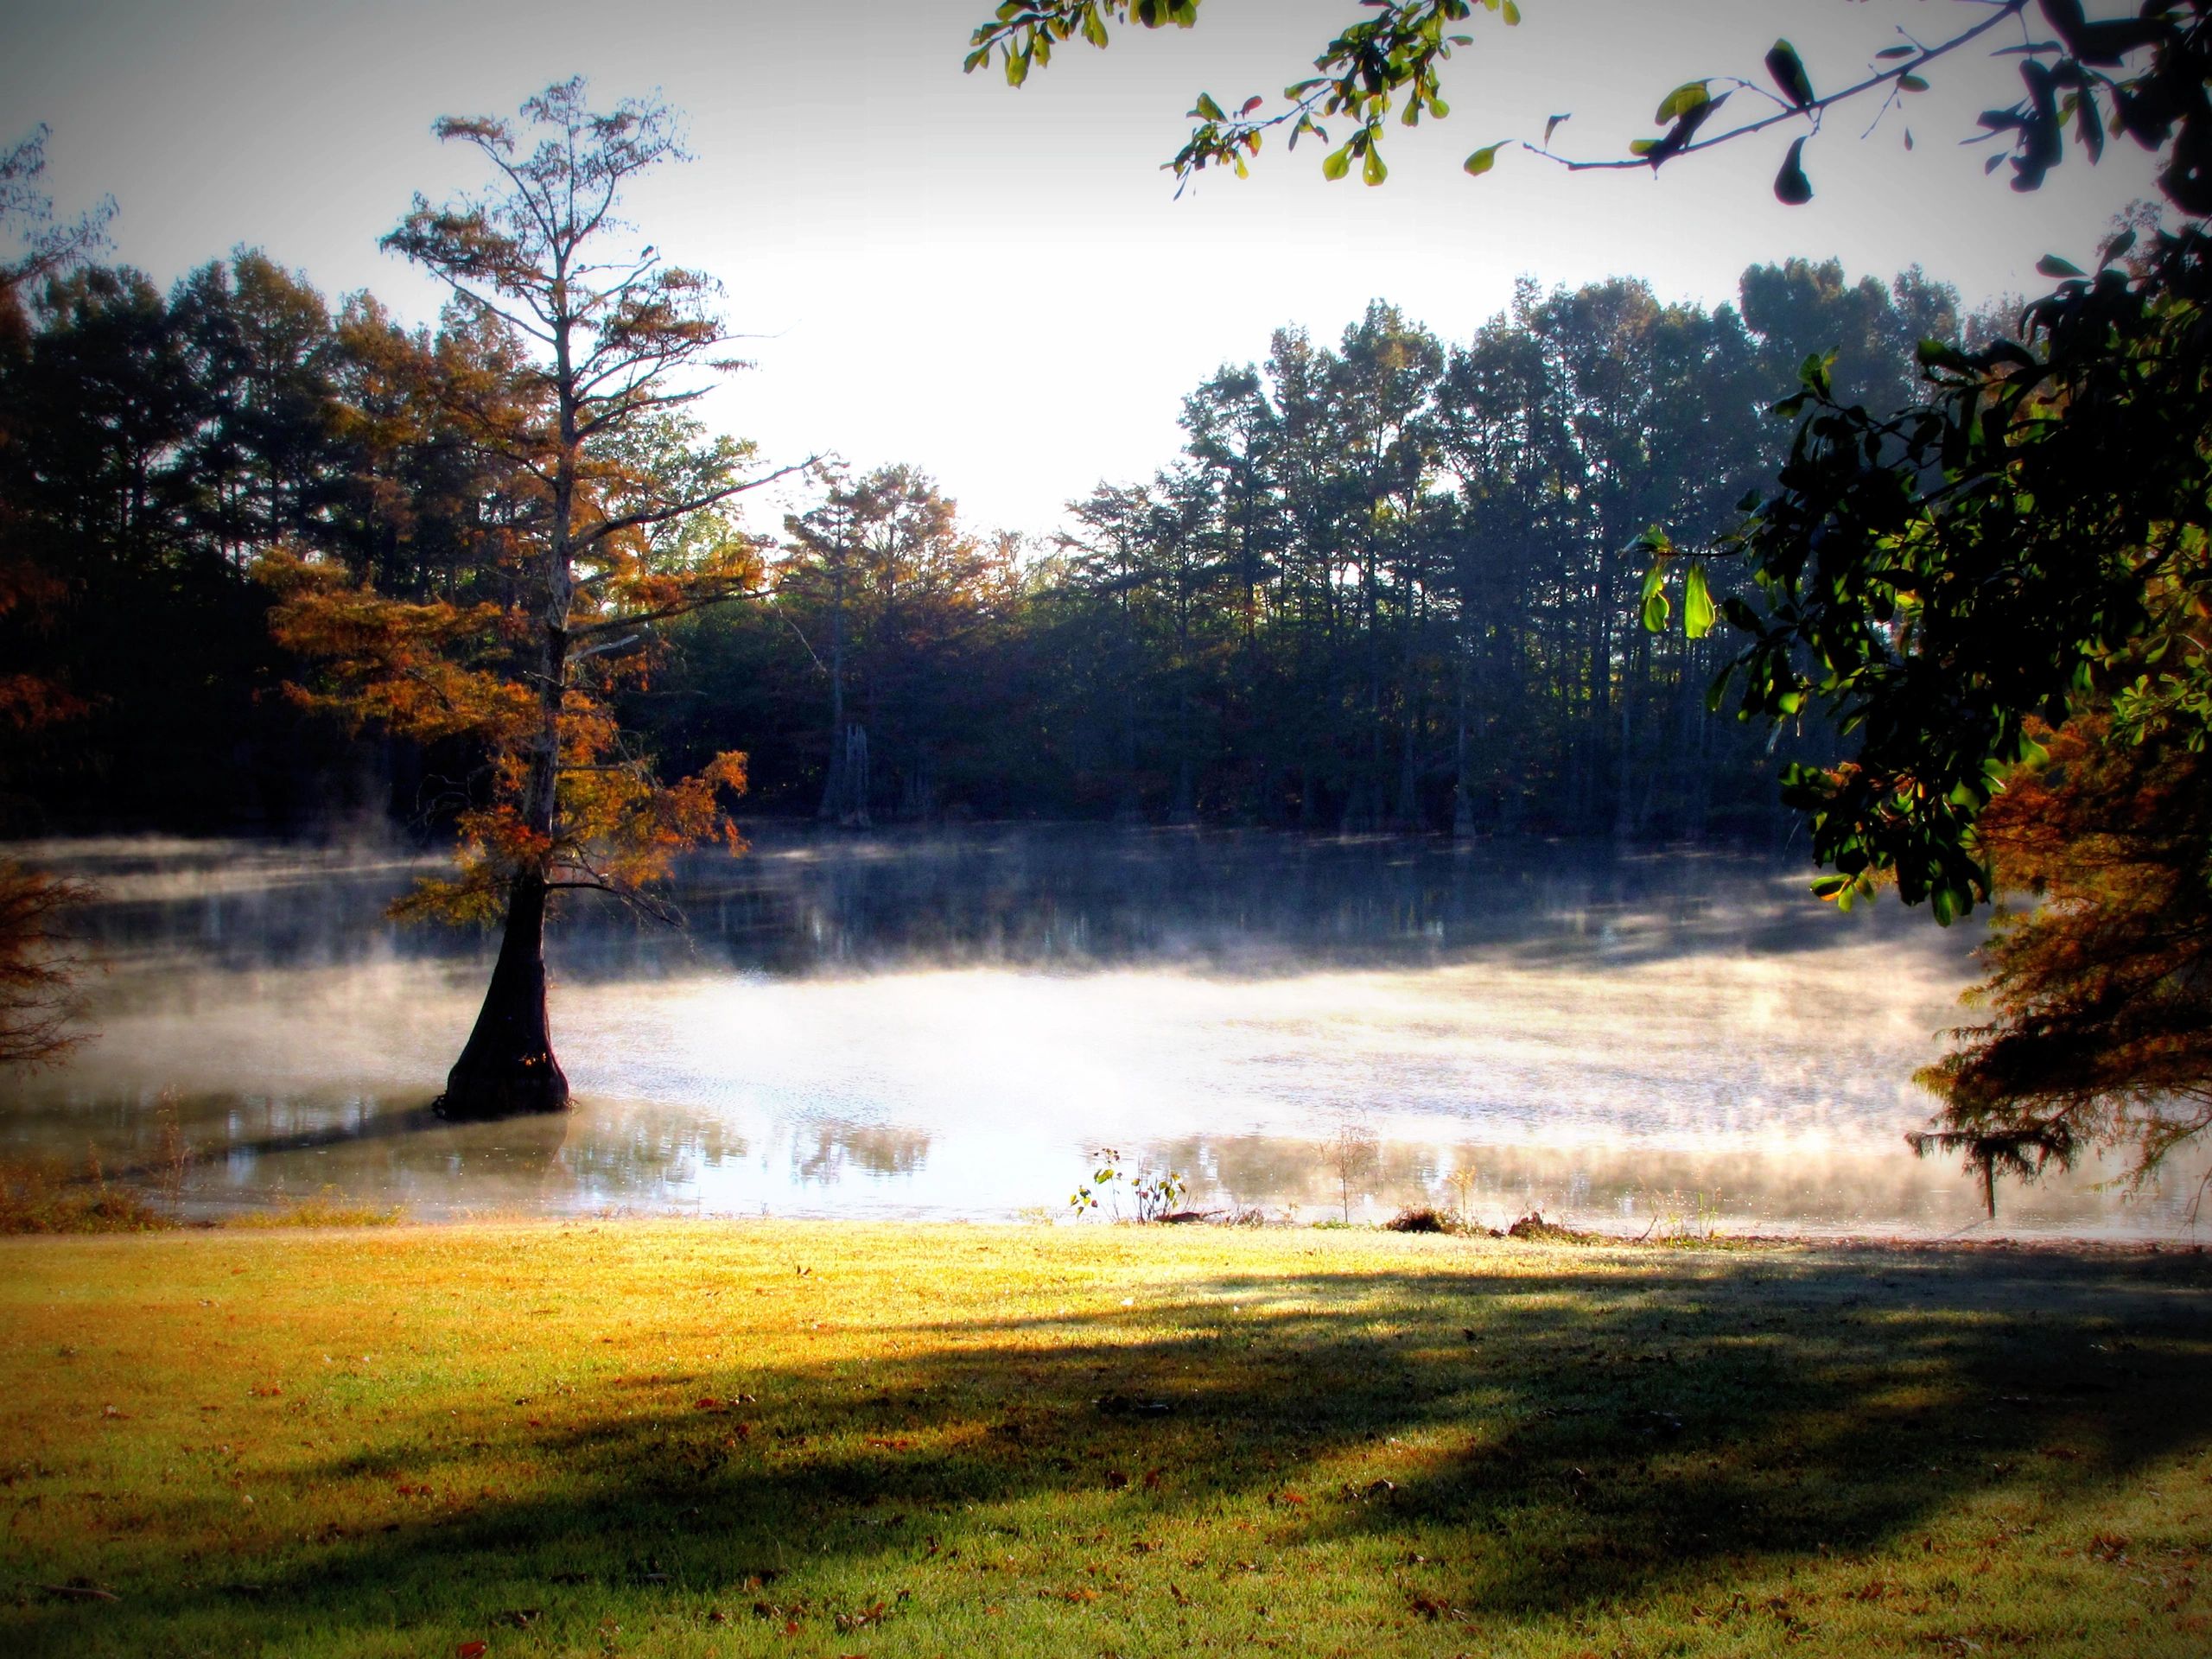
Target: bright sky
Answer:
[[999, 286]]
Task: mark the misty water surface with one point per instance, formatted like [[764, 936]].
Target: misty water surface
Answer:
[[949, 1025]]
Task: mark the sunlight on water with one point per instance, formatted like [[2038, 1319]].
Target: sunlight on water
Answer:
[[950, 1028]]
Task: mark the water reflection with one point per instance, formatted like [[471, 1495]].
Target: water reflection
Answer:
[[946, 1026]]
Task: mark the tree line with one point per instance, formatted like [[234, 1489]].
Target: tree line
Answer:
[[1389, 584]]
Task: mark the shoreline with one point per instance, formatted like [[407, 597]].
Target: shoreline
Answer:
[[317, 1217]]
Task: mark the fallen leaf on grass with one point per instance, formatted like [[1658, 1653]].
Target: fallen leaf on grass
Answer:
[[471, 1650], [862, 1619]]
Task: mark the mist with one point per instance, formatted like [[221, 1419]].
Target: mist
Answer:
[[951, 1025]]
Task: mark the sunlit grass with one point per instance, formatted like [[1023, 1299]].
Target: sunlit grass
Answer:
[[691, 1439]]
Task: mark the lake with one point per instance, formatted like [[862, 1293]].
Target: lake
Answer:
[[950, 1025]]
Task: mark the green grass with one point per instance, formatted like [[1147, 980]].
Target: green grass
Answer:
[[694, 1439]]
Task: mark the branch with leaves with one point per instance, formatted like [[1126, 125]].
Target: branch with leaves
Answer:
[[1397, 52]]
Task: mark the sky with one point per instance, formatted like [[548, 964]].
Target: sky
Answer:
[[1001, 287]]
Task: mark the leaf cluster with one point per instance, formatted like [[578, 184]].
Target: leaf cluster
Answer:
[[1945, 576], [2139, 77], [1361, 74], [2100, 981]]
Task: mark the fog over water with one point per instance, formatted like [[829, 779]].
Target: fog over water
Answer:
[[949, 1025]]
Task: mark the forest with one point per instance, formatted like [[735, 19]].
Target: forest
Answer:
[[1389, 583]]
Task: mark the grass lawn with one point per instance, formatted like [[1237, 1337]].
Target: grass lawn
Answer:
[[692, 1439]]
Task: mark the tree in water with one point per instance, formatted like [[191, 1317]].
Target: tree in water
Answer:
[[575, 355]]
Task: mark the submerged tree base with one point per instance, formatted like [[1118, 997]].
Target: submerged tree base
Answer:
[[507, 1069], [512, 1089]]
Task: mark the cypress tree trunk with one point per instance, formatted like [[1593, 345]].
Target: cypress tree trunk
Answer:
[[508, 1067]]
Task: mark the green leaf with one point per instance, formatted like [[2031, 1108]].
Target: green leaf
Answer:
[[1791, 188], [1484, 159], [1210, 109], [1789, 71], [1017, 68], [1934, 353], [1892, 53], [1697, 604], [1372, 169], [1656, 609], [1911, 84], [1338, 163], [2051, 265], [1512, 15], [1552, 125], [1690, 95]]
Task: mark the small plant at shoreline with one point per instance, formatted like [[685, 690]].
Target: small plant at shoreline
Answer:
[[177, 1154], [42, 1198], [1462, 1183], [1675, 1218], [1351, 1152], [1155, 1194]]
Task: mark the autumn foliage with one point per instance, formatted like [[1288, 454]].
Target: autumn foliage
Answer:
[[2100, 987], [431, 670]]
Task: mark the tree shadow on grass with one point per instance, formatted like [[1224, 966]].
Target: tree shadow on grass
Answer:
[[1570, 1440]]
